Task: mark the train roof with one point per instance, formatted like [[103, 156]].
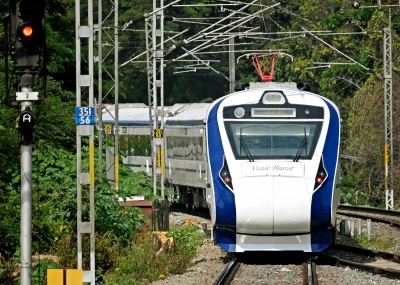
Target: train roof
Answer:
[[190, 114], [129, 115], [270, 84], [280, 85]]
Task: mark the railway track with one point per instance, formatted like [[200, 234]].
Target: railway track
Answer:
[[378, 262], [379, 215], [228, 273], [240, 264], [310, 276]]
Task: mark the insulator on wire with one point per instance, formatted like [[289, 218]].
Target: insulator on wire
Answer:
[[169, 63], [138, 19], [176, 45], [168, 18], [135, 20], [180, 43]]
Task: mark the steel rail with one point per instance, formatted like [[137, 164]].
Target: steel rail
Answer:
[[369, 209], [310, 276], [366, 267], [366, 252], [366, 211], [228, 273]]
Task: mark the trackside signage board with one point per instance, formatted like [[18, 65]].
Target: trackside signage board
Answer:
[[273, 169]]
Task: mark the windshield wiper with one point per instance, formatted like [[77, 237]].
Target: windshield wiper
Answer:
[[303, 145], [244, 146]]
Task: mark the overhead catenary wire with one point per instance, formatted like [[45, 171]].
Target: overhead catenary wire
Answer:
[[233, 26], [335, 49], [280, 8], [146, 15], [144, 53], [202, 32], [204, 61]]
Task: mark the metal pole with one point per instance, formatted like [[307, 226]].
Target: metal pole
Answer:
[[78, 137], [387, 63], [161, 68], [85, 81], [91, 148], [155, 113], [6, 39], [116, 132], [26, 207], [149, 56], [100, 83], [232, 65], [387, 70]]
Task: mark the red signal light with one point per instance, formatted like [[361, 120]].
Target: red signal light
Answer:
[[319, 179], [227, 179], [26, 32]]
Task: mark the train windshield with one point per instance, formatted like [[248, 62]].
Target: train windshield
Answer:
[[273, 140]]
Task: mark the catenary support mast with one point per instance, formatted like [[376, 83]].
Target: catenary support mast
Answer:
[[387, 70], [85, 177]]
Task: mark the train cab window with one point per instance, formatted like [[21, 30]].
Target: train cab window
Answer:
[[273, 140]]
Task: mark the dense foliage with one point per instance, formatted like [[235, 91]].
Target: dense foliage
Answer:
[[146, 261], [339, 50]]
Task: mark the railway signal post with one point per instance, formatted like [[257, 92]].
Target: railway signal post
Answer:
[[27, 39], [25, 125]]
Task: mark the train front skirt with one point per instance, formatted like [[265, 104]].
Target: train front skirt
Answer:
[[313, 242]]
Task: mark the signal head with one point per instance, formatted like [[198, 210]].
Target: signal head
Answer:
[[26, 31]]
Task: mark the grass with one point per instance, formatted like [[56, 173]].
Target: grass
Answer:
[[374, 243], [143, 263], [6, 269]]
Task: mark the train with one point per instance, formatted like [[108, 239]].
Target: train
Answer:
[[185, 146], [264, 160], [273, 154]]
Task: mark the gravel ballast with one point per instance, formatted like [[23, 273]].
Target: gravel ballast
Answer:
[[211, 261]]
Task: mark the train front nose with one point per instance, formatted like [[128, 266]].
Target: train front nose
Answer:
[[276, 205]]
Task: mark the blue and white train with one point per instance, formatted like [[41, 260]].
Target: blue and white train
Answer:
[[273, 182]]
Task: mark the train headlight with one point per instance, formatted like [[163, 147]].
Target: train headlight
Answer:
[[224, 173], [239, 112], [273, 98]]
